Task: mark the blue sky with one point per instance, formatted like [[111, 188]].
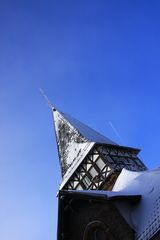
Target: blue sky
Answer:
[[96, 60]]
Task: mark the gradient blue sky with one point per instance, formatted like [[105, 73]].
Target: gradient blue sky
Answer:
[[98, 61]]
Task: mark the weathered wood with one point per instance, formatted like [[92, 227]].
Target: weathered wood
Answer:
[[84, 218]]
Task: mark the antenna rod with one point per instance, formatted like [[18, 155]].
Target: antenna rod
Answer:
[[49, 103]]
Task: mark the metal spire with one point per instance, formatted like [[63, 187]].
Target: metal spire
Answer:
[[49, 103]]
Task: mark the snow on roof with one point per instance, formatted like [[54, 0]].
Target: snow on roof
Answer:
[[75, 164], [74, 140], [109, 195], [144, 216], [87, 132]]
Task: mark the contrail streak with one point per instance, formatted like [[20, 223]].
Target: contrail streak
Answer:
[[116, 132]]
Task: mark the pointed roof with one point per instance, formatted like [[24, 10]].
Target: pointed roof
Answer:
[[74, 141], [89, 133]]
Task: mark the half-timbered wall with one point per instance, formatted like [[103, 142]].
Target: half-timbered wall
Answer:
[[102, 162]]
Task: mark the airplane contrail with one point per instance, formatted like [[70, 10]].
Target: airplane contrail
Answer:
[[115, 131]]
